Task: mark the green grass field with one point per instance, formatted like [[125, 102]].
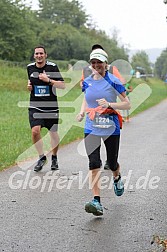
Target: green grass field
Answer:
[[15, 133]]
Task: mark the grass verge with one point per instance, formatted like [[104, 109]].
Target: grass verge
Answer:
[[15, 133]]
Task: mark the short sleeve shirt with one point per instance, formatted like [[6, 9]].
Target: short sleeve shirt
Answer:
[[108, 89], [42, 92]]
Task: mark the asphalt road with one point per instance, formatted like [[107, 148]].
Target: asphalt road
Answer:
[[44, 212]]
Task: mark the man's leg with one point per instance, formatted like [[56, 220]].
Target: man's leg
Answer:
[[37, 140], [54, 137]]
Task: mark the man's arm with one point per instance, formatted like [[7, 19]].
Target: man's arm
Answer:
[[29, 86], [56, 83]]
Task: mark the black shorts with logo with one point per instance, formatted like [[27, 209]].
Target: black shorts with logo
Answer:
[[45, 119]]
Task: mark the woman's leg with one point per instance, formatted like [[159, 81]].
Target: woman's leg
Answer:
[[112, 150], [92, 144], [94, 176]]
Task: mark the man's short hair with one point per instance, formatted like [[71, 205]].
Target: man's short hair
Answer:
[[40, 46]]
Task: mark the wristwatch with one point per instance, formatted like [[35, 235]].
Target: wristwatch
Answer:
[[109, 106], [50, 81]]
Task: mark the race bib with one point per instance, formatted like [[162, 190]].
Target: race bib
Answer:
[[41, 91], [103, 121]]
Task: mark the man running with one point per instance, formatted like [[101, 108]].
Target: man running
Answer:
[[43, 79]]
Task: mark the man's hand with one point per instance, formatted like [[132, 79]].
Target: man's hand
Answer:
[[29, 86], [43, 76]]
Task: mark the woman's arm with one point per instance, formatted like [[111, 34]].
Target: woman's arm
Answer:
[[124, 104], [81, 114]]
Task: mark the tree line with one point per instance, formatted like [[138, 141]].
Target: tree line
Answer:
[[161, 65], [63, 27]]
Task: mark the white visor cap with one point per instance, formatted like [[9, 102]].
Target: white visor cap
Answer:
[[99, 54]]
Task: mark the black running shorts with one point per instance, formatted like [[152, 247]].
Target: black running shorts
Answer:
[[93, 144], [45, 119]]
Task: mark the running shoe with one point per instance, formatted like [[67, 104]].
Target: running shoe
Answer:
[[94, 207], [118, 186], [41, 162], [54, 165]]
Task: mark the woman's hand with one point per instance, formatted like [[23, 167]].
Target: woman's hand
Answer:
[[102, 102], [80, 116]]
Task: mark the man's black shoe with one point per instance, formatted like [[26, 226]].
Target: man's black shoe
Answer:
[[40, 164], [106, 166], [54, 165]]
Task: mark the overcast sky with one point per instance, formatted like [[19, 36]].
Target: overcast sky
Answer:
[[141, 24]]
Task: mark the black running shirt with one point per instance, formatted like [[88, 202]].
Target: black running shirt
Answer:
[[43, 96]]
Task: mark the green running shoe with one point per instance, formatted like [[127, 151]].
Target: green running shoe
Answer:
[[118, 186], [94, 207]]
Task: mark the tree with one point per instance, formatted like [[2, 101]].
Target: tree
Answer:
[[141, 62], [161, 65], [58, 41], [16, 36], [63, 12], [59, 25]]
